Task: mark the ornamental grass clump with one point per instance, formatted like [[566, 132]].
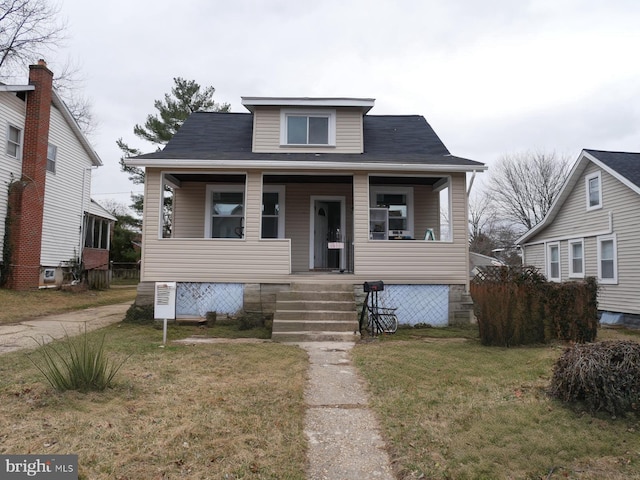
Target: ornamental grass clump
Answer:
[[77, 364], [603, 376]]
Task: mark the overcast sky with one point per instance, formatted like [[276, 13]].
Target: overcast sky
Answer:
[[491, 77]]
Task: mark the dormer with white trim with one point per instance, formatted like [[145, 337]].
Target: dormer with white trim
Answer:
[[307, 125]]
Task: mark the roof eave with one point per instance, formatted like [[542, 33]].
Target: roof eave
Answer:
[[307, 165], [365, 104]]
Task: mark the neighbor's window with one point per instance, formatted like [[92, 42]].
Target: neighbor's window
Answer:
[[576, 258], [308, 128], [225, 211], [607, 259], [553, 262], [14, 141], [594, 191], [273, 212], [52, 153]]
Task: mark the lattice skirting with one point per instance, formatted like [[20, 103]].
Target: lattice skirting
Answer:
[[418, 303], [196, 299]]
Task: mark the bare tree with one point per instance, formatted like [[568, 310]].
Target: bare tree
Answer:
[[525, 185], [482, 218], [28, 30]]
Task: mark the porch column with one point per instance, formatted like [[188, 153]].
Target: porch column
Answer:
[[253, 206]]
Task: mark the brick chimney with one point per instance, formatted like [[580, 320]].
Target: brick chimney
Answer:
[[26, 195]]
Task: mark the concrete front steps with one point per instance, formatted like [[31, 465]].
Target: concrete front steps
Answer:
[[316, 313]]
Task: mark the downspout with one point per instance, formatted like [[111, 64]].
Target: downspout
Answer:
[[473, 177]]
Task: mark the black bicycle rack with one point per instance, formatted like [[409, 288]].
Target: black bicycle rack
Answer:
[[372, 306]]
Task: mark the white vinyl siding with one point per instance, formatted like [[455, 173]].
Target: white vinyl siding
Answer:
[[66, 196], [267, 137], [12, 112], [575, 254]]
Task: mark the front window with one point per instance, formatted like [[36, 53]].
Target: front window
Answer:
[[225, 211], [398, 202], [553, 262], [594, 191], [52, 153], [607, 260], [576, 258], [308, 128], [14, 141]]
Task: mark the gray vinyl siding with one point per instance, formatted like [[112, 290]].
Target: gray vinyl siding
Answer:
[[574, 221], [255, 260], [266, 132], [12, 112], [67, 195]]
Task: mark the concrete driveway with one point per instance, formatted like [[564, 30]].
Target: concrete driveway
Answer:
[[27, 334]]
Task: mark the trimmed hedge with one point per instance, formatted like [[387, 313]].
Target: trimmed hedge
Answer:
[[517, 306]]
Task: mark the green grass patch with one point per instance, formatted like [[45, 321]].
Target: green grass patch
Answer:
[[453, 409]]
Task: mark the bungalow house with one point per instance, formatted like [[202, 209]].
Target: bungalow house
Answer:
[[306, 195], [593, 230], [45, 186]]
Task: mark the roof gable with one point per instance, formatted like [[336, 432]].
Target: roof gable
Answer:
[[624, 166]]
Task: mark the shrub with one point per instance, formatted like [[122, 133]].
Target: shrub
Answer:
[[249, 320], [77, 364], [604, 376], [139, 315]]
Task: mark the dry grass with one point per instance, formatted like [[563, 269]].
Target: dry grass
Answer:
[[200, 411], [455, 409], [18, 306]]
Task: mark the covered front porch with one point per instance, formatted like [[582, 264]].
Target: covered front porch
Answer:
[[268, 226]]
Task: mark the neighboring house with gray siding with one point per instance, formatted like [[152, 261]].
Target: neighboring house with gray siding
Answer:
[[593, 230], [308, 191]]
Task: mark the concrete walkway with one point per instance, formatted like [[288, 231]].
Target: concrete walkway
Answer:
[[344, 437], [26, 334]]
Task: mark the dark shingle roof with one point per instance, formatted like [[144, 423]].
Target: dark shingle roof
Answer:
[[387, 138], [625, 163]]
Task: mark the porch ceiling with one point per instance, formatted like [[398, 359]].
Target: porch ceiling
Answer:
[[280, 179]]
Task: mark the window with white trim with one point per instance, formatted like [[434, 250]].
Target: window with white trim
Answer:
[[225, 211], [576, 258], [273, 212], [399, 203], [14, 141], [593, 185], [607, 259], [52, 153], [553, 262], [298, 127]]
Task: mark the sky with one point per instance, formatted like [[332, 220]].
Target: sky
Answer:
[[492, 77]]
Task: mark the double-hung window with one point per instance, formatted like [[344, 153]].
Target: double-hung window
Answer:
[[225, 211], [607, 259], [593, 186], [14, 141], [576, 258], [52, 153], [553, 262], [308, 128]]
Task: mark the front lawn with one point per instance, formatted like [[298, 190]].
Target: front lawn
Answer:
[[188, 411], [453, 409]]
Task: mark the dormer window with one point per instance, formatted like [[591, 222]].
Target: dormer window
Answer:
[[308, 128]]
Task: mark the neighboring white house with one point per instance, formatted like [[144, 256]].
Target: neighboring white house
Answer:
[[46, 161], [593, 230]]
